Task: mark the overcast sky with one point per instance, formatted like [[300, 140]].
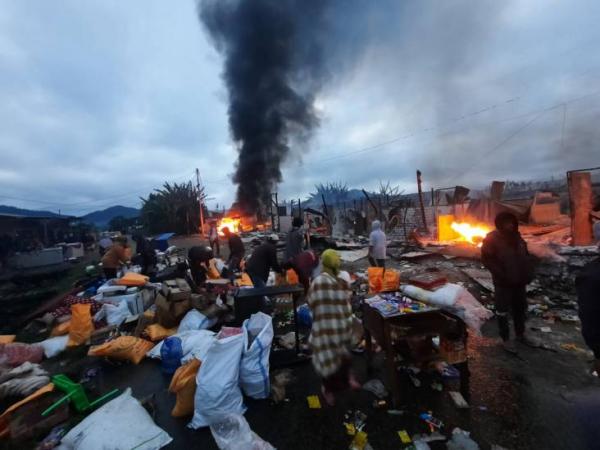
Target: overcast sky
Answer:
[[101, 101]]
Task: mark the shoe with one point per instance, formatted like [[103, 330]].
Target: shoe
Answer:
[[328, 396], [530, 342], [510, 347]]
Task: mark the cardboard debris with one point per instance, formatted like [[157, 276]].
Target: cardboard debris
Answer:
[[483, 277]]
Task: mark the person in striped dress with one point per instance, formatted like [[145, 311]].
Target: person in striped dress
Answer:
[[331, 335]]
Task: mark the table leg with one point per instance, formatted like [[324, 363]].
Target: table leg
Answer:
[[391, 366]]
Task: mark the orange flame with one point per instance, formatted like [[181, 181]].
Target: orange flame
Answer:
[[471, 233], [229, 222]]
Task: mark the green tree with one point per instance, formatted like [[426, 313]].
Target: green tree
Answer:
[[173, 208]]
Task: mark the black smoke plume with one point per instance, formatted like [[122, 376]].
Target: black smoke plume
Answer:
[[273, 68]]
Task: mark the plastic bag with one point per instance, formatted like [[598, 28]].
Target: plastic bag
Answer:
[[391, 280], [54, 345], [132, 279], [304, 315], [194, 344], [232, 432], [81, 327], [375, 275], [254, 369], [122, 423], [183, 385], [17, 353], [157, 332], [461, 440], [218, 392], [195, 320], [128, 348], [292, 277], [170, 355], [114, 314]]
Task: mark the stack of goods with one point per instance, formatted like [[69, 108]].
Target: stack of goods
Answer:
[[389, 305]]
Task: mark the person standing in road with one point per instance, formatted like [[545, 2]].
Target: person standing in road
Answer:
[[115, 257], [236, 250], [505, 254], [377, 245], [588, 298], [331, 335], [213, 239], [294, 241], [263, 259]]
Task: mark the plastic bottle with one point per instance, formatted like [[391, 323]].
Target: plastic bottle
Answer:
[[170, 355]]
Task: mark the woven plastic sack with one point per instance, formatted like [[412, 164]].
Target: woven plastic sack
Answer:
[[81, 327], [254, 369], [127, 348], [183, 384]]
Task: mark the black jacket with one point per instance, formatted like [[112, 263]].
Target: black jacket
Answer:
[[507, 258], [263, 259], [588, 297], [236, 246]]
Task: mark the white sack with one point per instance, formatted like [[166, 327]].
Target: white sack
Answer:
[[55, 345], [122, 423], [233, 433], [456, 300], [115, 314], [217, 383], [254, 368], [195, 320], [194, 344]]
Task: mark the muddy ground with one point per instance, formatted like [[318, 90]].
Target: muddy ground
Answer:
[[542, 399]]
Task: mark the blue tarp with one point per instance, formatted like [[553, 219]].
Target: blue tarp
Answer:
[[161, 242]]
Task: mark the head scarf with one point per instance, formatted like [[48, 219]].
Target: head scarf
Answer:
[[376, 225], [331, 262]]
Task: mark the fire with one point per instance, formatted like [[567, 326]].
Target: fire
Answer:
[[470, 233], [233, 224]]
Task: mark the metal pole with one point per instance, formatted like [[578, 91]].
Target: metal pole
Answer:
[[200, 202], [421, 200]]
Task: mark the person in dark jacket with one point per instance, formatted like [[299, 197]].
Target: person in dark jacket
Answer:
[[304, 265], [588, 297], [263, 259], [146, 253], [199, 258], [236, 249], [505, 254], [294, 241]]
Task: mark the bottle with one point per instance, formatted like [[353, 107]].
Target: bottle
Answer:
[[170, 354]]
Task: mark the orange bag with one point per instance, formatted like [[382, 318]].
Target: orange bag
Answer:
[[7, 338], [126, 348], [375, 279], [244, 281], [81, 327], [132, 279], [5, 417], [391, 280], [157, 332], [184, 385], [292, 277]]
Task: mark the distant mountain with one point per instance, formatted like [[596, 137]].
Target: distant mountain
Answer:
[[101, 218], [4, 209]]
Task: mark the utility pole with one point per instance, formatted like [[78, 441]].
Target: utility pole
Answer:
[[200, 201], [421, 201]]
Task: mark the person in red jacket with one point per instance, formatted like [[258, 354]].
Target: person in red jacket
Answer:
[[505, 254]]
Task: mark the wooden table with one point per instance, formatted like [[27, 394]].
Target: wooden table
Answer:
[[417, 324]]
